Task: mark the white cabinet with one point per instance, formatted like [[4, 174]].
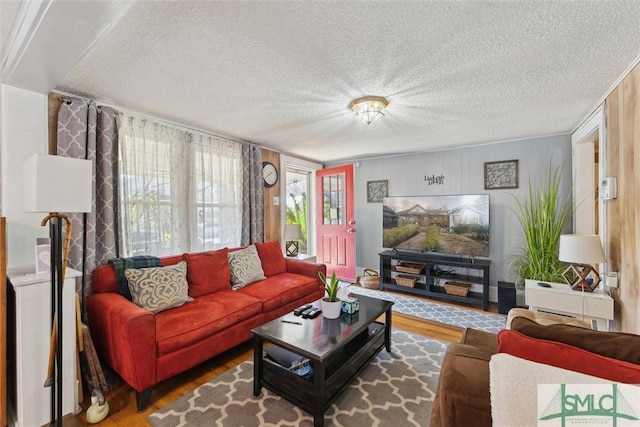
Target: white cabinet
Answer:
[[561, 299], [33, 334]]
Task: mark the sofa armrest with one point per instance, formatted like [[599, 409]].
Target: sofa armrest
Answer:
[[543, 318], [483, 340], [124, 335], [462, 395], [306, 268]]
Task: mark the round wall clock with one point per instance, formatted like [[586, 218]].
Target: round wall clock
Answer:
[[269, 174]]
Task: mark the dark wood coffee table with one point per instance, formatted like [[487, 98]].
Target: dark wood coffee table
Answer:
[[339, 349]]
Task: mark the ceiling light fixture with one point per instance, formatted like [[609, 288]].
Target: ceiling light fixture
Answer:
[[368, 108]]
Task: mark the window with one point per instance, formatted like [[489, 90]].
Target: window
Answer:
[[333, 198], [297, 203], [180, 191], [218, 193]]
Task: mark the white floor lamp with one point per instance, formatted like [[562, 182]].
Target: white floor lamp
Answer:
[[55, 184]]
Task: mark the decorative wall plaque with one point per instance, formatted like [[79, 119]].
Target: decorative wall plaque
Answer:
[[376, 190], [502, 174], [433, 179]]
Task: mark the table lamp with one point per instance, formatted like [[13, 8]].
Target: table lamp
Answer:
[[292, 233], [581, 251], [56, 184]]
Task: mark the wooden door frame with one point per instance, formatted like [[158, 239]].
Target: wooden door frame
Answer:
[[591, 129]]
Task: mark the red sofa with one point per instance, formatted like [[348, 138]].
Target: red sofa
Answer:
[[146, 348]]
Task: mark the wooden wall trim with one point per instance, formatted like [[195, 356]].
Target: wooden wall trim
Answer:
[[55, 100], [272, 212], [622, 109]]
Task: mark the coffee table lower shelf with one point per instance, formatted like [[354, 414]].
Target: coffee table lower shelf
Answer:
[[330, 376]]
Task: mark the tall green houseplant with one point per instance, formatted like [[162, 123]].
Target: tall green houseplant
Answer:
[[543, 214]]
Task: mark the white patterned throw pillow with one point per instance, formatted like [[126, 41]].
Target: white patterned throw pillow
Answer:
[[159, 288], [246, 267]]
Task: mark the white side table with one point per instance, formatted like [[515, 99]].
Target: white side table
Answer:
[[33, 334], [561, 299]]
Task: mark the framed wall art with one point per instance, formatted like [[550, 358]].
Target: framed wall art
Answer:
[[376, 190], [502, 174]]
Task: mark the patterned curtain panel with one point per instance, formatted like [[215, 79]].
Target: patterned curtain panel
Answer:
[[252, 195], [86, 131]]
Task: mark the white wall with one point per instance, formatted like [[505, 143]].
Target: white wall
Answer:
[[463, 170], [24, 132]]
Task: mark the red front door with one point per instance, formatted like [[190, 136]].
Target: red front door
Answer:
[[336, 230]]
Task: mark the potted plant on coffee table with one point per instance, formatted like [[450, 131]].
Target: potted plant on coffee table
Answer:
[[331, 304]]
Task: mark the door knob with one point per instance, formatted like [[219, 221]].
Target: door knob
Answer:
[[352, 222], [351, 230]]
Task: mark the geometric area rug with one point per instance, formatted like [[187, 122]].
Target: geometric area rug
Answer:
[[395, 389], [442, 313]]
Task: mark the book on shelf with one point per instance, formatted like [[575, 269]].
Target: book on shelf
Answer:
[[293, 362]]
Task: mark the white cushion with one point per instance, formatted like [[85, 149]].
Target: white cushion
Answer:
[[514, 388]]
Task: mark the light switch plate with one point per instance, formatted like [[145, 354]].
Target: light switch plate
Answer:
[[611, 279], [276, 201]]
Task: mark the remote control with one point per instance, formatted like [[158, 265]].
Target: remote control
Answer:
[[305, 313], [308, 314], [315, 313], [298, 311]]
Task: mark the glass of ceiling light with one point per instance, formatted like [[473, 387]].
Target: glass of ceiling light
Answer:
[[368, 108]]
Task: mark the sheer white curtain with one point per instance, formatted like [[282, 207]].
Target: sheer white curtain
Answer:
[[178, 189], [217, 190]]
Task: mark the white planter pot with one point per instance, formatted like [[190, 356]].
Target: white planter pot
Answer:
[[331, 310]]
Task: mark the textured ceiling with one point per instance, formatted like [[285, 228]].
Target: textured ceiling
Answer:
[[281, 74]]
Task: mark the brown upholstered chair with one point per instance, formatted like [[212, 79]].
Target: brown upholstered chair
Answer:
[[462, 397]]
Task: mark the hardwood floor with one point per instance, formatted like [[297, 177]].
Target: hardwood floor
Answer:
[[122, 401]]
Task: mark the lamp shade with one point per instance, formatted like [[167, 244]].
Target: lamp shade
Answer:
[[292, 232], [56, 184], [581, 249]]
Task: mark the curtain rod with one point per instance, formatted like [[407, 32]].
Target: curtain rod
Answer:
[[66, 98]]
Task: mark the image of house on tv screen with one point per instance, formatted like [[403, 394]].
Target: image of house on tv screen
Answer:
[[456, 224]]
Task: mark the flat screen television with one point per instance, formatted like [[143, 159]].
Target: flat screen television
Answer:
[[452, 224]]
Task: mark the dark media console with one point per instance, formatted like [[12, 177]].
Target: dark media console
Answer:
[[429, 272]]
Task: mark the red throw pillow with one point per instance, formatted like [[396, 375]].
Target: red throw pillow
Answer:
[[567, 357], [208, 272], [271, 257]]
